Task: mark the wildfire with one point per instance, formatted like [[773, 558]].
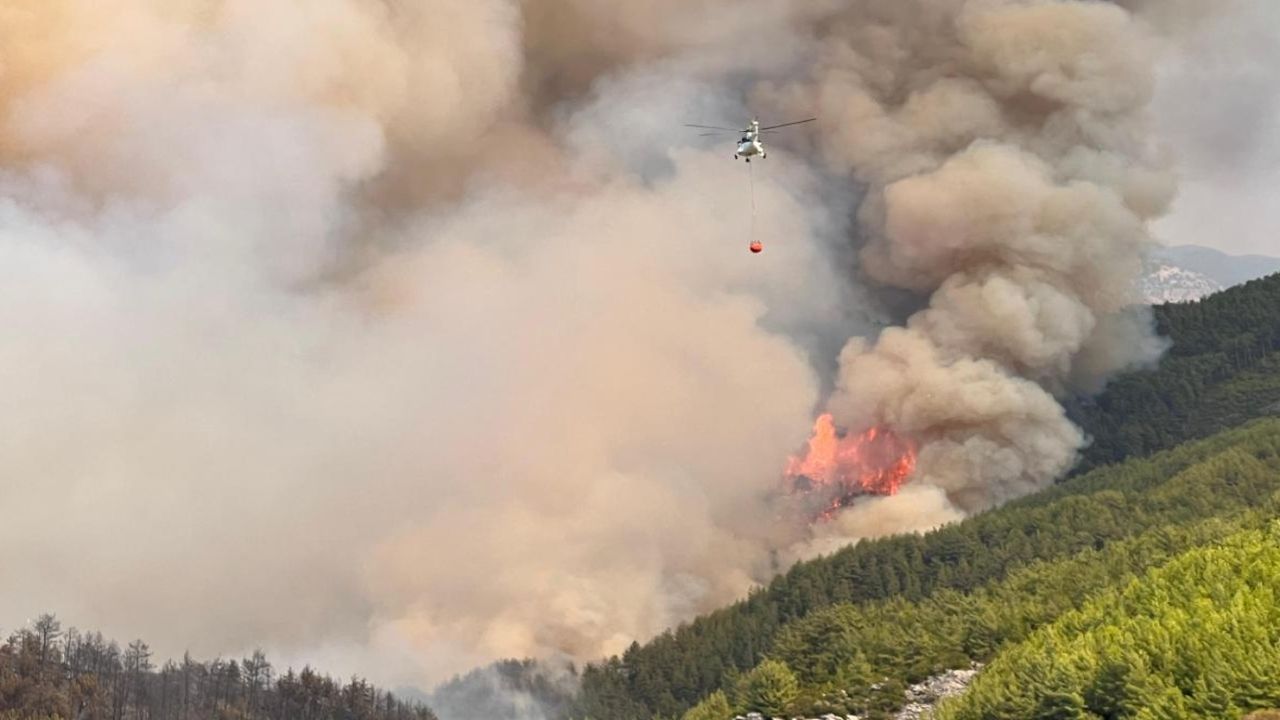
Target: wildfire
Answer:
[[839, 467]]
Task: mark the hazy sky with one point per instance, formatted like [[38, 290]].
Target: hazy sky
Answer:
[[1219, 107]]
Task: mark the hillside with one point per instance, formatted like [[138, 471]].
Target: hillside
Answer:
[[903, 608], [1224, 369], [1196, 637], [908, 641], [1186, 273], [1219, 267]]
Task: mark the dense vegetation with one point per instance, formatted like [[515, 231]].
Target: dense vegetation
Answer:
[[46, 673], [1199, 637], [842, 650], [907, 606], [1222, 369]]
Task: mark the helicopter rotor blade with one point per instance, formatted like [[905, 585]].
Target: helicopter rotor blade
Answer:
[[715, 127], [797, 122]]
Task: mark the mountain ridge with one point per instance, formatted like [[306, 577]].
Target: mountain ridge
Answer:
[[1187, 273], [1223, 268]]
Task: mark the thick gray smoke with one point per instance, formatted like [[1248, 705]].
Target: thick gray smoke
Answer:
[[401, 336], [1011, 179]]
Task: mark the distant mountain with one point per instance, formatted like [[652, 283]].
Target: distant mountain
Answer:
[[1190, 272], [1226, 270]]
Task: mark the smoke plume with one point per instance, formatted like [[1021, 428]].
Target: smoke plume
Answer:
[[1010, 180], [398, 337]]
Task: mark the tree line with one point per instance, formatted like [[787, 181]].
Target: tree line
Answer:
[[47, 673]]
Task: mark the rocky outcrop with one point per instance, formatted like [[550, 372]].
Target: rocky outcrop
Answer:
[[920, 698], [1172, 284]]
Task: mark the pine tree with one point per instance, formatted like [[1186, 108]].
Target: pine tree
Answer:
[[771, 688], [1060, 704], [1210, 699], [1109, 696], [714, 707]]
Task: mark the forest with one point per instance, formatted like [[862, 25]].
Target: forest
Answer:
[[1223, 369], [47, 673], [1196, 637]]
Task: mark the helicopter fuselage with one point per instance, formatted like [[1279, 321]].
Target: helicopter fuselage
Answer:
[[749, 147]]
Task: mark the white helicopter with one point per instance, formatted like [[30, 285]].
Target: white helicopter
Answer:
[[749, 145]]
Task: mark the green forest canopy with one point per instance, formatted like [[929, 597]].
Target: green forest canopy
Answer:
[[1197, 637]]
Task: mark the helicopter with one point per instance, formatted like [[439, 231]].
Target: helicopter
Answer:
[[749, 145]]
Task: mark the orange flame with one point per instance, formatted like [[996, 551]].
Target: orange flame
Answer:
[[876, 462]]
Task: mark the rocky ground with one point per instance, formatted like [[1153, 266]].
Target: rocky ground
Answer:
[[1167, 283], [920, 698]]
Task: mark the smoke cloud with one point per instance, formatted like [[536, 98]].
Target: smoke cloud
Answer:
[[1010, 181], [400, 337], [327, 335]]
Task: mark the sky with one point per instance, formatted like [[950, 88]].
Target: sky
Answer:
[[1218, 106]]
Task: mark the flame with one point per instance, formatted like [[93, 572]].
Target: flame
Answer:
[[842, 467]]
